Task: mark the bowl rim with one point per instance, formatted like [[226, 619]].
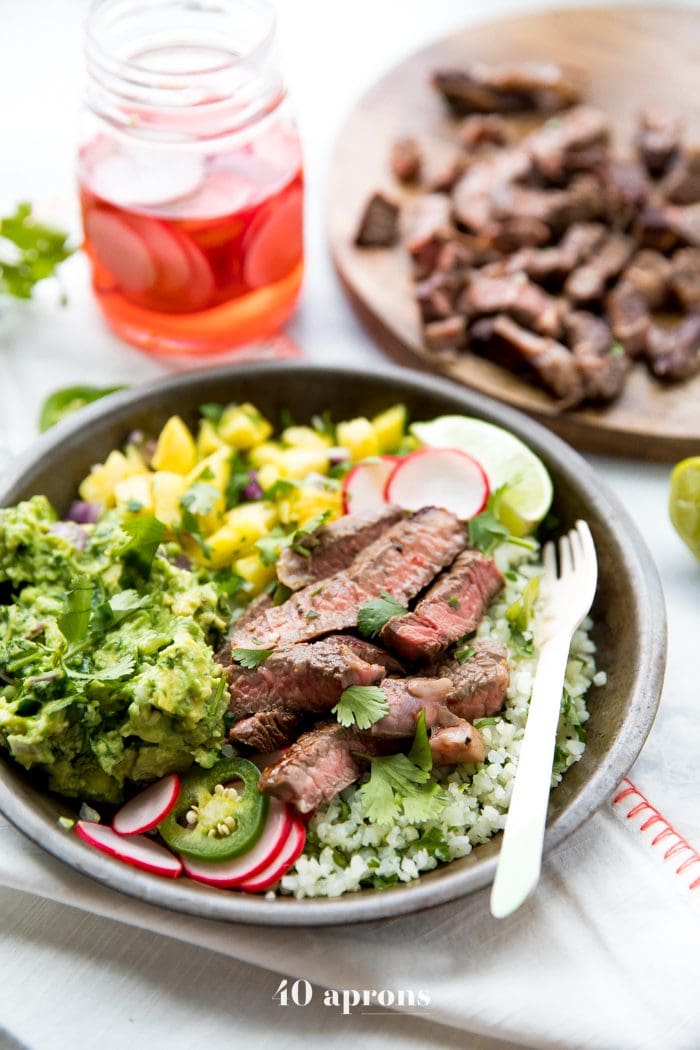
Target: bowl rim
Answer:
[[361, 906]]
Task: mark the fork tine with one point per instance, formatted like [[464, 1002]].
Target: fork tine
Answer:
[[577, 551], [549, 560], [589, 551], [566, 561]]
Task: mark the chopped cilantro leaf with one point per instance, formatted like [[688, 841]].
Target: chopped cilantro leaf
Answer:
[[323, 424], [377, 612], [481, 722], [464, 654], [145, 535], [281, 488], [361, 706], [453, 601], [251, 658], [200, 498], [399, 782], [212, 412], [74, 620], [420, 752], [239, 478], [31, 252], [519, 614], [312, 615]]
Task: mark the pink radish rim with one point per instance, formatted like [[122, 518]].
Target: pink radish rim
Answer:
[[274, 872], [162, 813], [403, 460], [267, 859], [362, 466], [170, 868]]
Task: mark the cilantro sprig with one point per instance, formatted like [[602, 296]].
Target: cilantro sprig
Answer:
[[251, 658], [361, 706], [30, 251], [487, 531], [376, 613], [301, 540]]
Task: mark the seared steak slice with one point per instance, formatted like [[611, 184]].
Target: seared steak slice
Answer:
[[454, 606], [333, 547], [551, 265], [602, 367], [461, 742], [512, 88], [556, 143], [674, 353], [402, 562], [516, 348], [589, 282], [473, 195], [629, 316], [308, 677], [379, 225], [649, 273], [626, 188], [406, 160], [448, 334], [685, 277], [658, 139], [514, 295], [682, 183], [479, 684], [407, 697], [267, 731]]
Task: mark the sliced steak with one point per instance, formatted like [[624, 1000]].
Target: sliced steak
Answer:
[[454, 606], [333, 547], [429, 230], [406, 159], [513, 232], [603, 368], [458, 743], [450, 333], [649, 273], [402, 562], [520, 350], [552, 145], [681, 185], [487, 129], [267, 731], [674, 353], [515, 295], [629, 316], [550, 266], [658, 139], [379, 225], [479, 684], [407, 697], [626, 189], [473, 195], [512, 88], [580, 201], [589, 282], [685, 278]]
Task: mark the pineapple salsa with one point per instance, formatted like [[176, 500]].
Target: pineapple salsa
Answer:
[[109, 621]]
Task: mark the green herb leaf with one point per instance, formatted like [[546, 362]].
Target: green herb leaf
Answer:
[[145, 535], [281, 488], [453, 601], [200, 498], [481, 722], [323, 424], [64, 402], [116, 609], [251, 658], [212, 412], [361, 706], [520, 613], [377, 612], [464, 654], [228, 582], [399, 782], [312, 615], [121, 668], [420, 752], [239, 477], [74, 619], [31, 252]]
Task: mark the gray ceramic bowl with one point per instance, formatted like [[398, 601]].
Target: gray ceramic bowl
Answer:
[[630, 621]]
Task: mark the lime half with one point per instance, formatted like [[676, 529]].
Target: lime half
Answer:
[[506, 460], [684, 502]]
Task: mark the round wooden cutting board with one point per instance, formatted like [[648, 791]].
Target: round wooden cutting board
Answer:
[[634, 56]]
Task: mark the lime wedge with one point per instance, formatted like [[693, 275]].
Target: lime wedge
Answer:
[[506, 460], [684, 502]]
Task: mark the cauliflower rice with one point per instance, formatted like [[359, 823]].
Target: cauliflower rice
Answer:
[[345, 852]]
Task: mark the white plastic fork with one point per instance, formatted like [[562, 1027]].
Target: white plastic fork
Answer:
[[567, 597]]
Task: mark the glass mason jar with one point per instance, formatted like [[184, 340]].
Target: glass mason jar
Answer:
[[190, 173]]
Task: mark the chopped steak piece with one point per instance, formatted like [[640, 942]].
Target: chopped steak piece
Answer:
[[515, 231], [430, 228], [649, 273], [436, 294], [682, 183], [472, 197], [514, 295], [402, 562], [267, 730], [685, 277], [588, 282], [558, 208], [406, 160], [479, 684], [407, 697], [449, 174], [602, 369], [333, 547], [514, 347], [510, 88], [551, 265], [320, 764], [454, 606], [659, 226], [448, 334], [379, 226], [658, 139], [629, 316], [483, 129], [308, 677], [625, 189], [450, 745], [674, 353], [551, 145]]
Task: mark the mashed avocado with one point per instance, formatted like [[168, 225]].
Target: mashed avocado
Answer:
[[107, 671]]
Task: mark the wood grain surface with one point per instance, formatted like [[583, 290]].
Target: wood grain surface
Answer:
[[633, 56]]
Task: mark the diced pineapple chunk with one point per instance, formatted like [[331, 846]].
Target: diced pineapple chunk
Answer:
[[305, 437], [267, 453], [99, 485], [308, 502], [389, 428], [243, 427], [358, 437], [208, 440], [267, 476], [298, 463], [168, 489], [135, 494], [175, 450], [257, 575], [242, 527]]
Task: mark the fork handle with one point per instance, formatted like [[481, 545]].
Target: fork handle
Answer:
[[520, 859]]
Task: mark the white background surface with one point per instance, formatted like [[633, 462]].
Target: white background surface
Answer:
[[72, 980]]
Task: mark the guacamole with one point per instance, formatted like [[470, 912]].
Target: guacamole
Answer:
[[107, 669]]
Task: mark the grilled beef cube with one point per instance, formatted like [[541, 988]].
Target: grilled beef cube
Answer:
[[406, 160], [649, 273], [512, 88], [681, 185], [548, 360], [450, 333], [473, 195], [320, 764], [479, 684], [603, 369], [589, 282], [685, 277], [625, 190], [514, 295], [308, 677], [515, 231], [629, 316], [488, 129], [660, 226], [402, 562], [554, 145], [458, 743], [580, 201], [333, 547], [454, 606], [267, 731], [436, 295], [550, 266], [430, 229], [658, 139], [448, 174], [674, 353], [379, 225]]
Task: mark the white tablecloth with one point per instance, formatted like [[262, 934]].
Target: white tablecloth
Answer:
[[608, 949]]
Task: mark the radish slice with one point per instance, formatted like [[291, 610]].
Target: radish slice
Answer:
[[263, 853], [439, 477], [292, 848], [363, 486], [148, 808], [137, 851]]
